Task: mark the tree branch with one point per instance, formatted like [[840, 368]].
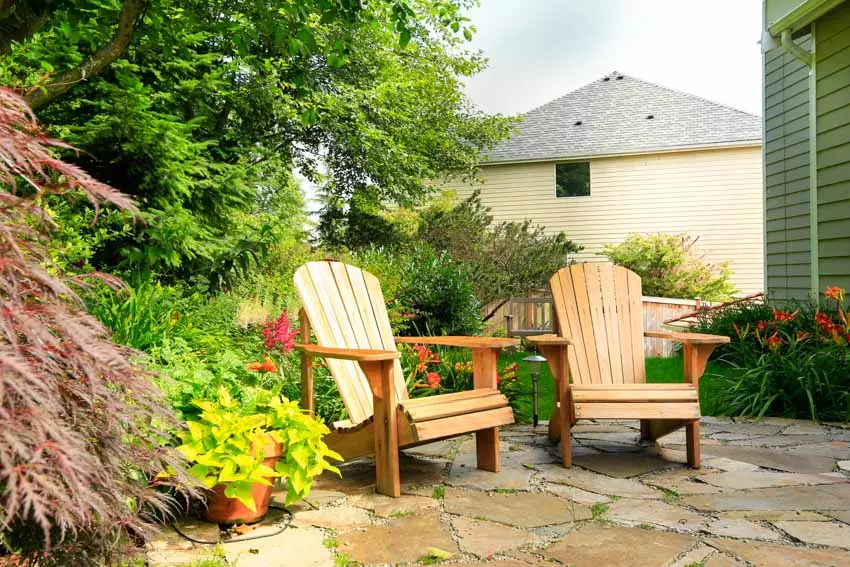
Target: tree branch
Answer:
[[42, 95]]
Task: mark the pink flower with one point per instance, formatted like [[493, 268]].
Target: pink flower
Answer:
[[280, 334], [433, 380]]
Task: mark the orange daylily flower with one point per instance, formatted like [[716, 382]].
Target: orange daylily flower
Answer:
[[268, 365], [834, 292]]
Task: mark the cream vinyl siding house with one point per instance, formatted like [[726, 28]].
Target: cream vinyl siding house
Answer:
[[712, 192]]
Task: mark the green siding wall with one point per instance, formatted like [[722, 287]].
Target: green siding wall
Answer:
[[786, 164], [832, 34]]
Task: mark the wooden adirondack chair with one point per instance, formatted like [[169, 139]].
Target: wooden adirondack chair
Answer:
[[599, 348], [345, 309]]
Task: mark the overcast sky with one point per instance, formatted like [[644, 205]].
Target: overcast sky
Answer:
[[541, 49]]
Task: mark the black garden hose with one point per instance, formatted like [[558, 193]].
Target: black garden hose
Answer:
[[247, 538]]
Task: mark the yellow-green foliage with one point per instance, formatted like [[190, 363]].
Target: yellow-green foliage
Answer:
[[222, 441], [671, 266]]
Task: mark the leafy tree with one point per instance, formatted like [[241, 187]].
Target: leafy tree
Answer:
[[670, 265], [505, 260], [200, 109], [83, 428]]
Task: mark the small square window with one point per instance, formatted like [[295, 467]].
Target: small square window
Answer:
[[572, 179]]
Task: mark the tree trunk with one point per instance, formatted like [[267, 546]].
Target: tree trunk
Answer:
[[42, 95]]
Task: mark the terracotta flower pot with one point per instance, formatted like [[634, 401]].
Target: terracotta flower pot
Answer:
[[224, 510]]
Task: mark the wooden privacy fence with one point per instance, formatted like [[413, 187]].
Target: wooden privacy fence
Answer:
[[523, 316]]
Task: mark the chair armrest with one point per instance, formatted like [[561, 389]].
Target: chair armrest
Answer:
[[469, 342], [688, 338], [360, 355], [546, 340]]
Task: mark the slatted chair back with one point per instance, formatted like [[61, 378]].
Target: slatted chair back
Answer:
[[599, 307], [346, 309]]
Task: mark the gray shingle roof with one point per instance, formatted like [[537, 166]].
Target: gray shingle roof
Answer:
[[613, 114]]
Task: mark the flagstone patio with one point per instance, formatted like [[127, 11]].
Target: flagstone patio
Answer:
[[772, 493]]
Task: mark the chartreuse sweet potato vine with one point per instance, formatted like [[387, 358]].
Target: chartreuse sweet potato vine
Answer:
[[221, 445]]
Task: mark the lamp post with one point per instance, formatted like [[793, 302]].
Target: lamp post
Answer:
[[535, 362]]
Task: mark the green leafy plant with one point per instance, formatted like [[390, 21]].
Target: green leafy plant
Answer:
[[598, 510], [670, 266], [725, 320], [793, 363], [223, 444], [442, 370], [144, 315]]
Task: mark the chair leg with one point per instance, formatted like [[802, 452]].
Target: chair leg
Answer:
[[692, 441], [645, 430], [380, 376], [487, 449], [566, 419]]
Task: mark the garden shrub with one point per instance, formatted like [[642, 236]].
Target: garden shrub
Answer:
[[84, 429], [793, 362], [669, 265], [503, 260], [426, 292], [439, 294]]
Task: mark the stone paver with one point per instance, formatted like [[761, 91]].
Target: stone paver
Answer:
[[773, 515], [840, 515], [386, 507], [764, 479], [598, 483], [335, 518], [695, 556], [402, 540], [483, 538], [294, 547], [622, 466], [681, 481], [763, 554], [577, 494], [438, 450], [729, 465], [771, 458], [772, 493], [596, 545], [722, 560], [511, 477], [522, 509], [740, 528], [655, 513], [833, 534], [823, 497], [833, 450], [359, 475]]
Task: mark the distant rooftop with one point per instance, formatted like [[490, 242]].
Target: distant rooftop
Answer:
[[619, 114]]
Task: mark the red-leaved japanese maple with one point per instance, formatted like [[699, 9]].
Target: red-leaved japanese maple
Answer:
[[81, 427]]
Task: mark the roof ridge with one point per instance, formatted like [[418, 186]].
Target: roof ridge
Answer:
[[644, 81], [702, 98], [568, 93]]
